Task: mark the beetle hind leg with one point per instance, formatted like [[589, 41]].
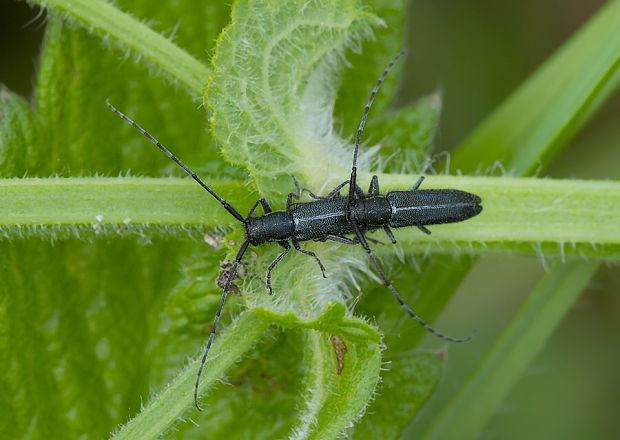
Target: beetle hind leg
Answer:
[[424, 229], [418, 183], [332, 194], [389, 233]]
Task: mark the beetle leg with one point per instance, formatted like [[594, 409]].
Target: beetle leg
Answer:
[[333, 193], [345, 240], [266, 207], [374, 186], [336, 191], [424, 229], [341, 239], [274, 263], [264, 204], [389, 233], [310, 253], [294, 195], [418, 183], [231, 277], [387, 283]]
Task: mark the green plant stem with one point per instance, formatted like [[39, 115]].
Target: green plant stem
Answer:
[[119, 201], [561, 217], [477, 400], [348, 392], [169, 405], [110, 22]]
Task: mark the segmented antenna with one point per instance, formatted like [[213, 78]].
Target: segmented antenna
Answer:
[[386, 281], [231, 277], [360, 130], [159, 145]]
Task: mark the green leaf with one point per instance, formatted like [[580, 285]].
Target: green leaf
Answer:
[[75, 347], [107, 21], [335, 399], [404, 388], [18, 129], [406, 135], [81, 134], [596, 41], [272, 89], [85, 336], [364, 66], [478, 398], [169, 405], [533, 124]]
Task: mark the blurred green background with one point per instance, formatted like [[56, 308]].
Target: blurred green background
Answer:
[[477, 52]]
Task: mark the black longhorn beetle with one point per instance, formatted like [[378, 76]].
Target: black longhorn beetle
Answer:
[[333, 217]]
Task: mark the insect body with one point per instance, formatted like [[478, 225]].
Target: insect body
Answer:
[[334, 217], [329, 218]]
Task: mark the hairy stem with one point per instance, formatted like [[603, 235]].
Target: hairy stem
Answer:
[[109, 22], [562, 217]]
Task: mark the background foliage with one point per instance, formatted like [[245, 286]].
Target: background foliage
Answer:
[[86, 339]]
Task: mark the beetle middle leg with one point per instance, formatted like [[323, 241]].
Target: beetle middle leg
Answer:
[[418, 183], [341, 239], [373, 190], [293, 195], [389, 233], [333, 193], [274, 263], [310, 253], [298, 190]]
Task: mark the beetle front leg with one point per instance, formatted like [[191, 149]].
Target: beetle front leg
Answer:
[[264, 204]]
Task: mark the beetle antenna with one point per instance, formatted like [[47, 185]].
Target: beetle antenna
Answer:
[[167, 152], [231, 276], [360, 130], [386, 281]]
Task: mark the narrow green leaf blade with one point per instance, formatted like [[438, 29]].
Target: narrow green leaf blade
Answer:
[[166, 408], [549, 109], [18, 131], [342, 363], [404, 388], [477, 400], [108, 21]]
